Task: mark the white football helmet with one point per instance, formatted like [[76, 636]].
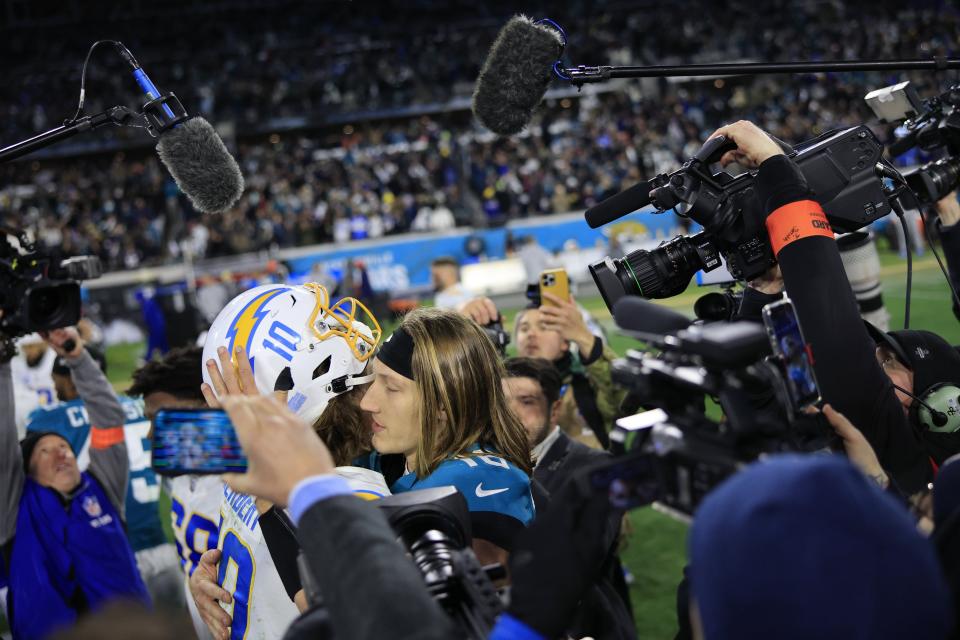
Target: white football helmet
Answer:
[[297, 342]]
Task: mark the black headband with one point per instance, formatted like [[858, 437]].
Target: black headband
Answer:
[[397, 353]]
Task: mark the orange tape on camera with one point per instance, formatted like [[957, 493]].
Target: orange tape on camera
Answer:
[[800, 219]]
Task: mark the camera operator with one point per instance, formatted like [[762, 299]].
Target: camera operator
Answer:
[[850, 376], [62, 530], [806, 547], [532, 386], [589, 399]]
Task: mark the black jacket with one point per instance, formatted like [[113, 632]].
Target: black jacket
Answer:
[[562, 459], [950, 241], [605, 611], [850, 378]]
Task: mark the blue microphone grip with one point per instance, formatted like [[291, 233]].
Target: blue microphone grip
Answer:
[[150, 89]]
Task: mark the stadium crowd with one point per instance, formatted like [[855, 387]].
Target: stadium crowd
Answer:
[[428, 171], [379, 474]]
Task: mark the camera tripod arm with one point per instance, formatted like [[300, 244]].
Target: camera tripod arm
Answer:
[[115, 115]]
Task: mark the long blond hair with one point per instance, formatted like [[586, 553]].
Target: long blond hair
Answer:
[[458, 378]]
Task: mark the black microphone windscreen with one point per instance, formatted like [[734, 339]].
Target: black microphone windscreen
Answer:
[[619, 205], [636, 314], [515, 75], [201, 166]]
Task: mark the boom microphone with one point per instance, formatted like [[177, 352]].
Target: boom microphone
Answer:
[[201, 166], [515, 75], [193, 153], [616, 206]]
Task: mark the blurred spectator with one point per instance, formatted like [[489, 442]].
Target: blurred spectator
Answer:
[[320, 180], [445, 277], [763, 541]]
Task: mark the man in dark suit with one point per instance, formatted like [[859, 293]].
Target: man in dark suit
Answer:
[[533, 387]]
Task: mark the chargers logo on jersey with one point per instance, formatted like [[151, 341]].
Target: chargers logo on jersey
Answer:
[[245, 324]]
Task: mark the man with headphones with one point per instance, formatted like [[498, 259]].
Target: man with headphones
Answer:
[[925, 371]]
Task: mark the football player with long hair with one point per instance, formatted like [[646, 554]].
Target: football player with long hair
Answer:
[[440, 417]]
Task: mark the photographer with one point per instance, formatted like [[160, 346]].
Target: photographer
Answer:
[[589, 399], [62, 530], [849, 374]]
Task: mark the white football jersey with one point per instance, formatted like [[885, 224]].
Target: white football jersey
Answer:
[[195, 514], [261, 607], [33, 386]]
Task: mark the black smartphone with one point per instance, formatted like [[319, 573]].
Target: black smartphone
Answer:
[[792, 353], [629, 482], [195, 442]]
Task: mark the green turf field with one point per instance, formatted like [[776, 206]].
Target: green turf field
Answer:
[[655, 553]]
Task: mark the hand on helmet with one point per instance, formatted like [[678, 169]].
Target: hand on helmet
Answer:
[[231, 378]]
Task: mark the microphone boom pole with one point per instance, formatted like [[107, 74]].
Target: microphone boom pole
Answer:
[[114, 115], [583, 74]]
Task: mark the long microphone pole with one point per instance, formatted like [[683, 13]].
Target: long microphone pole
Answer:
[[114, 115], [584, 74]]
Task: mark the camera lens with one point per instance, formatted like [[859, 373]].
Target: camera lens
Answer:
[[935, 180], [661, 273]]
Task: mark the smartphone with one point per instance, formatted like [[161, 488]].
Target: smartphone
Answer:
[[791, 351], [554, 282], [629, 482], [195, 442]]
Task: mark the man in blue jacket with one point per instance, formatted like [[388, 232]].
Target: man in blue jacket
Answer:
[[157, 559], [62, 536]]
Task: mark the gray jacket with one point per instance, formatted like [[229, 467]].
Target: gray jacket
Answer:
[[110, 466]]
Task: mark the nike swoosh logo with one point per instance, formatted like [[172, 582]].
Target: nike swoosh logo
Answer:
[[483, 493]]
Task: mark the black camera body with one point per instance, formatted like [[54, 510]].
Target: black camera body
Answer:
[[434, 526], [840, 167], [672, 452], [39, 291], [932, 125]]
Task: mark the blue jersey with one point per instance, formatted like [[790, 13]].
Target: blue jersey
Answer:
[[70, 420], [497, 492]]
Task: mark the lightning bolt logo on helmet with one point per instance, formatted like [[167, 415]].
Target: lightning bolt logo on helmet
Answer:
[[245, 323], [299, 342]]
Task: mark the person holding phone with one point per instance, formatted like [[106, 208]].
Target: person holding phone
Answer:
[[62, 533], [554, 328], [69, 417]]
